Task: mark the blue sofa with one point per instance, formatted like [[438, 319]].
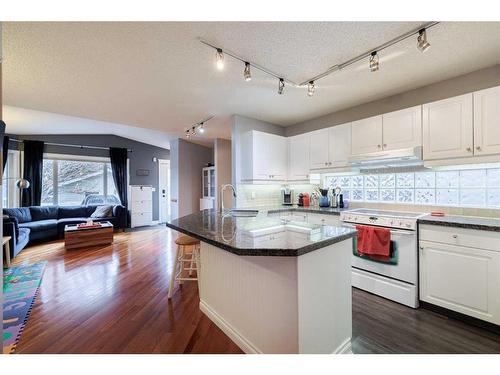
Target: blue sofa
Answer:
[[43, 223]]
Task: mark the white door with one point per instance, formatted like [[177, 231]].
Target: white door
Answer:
[[402, 129], [366, 135], [298, 157], [462, 279], [339, 145], [319, 144], [448, 128], [164, 189], [487, 121]]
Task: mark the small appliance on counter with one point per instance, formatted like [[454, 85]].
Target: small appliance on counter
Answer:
[[303, 200], [287, 196], [335, 195], [323, 199]]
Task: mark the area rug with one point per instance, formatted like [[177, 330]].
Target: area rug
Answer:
[[20, 288]]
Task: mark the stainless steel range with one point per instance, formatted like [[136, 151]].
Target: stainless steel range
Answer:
[[396, 277]]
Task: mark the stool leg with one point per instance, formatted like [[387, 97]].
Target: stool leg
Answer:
[[191, 264], [182, 253], [174, 271]]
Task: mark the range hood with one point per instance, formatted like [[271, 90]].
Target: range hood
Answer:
[[389, 159]]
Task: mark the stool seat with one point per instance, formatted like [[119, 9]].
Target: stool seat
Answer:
[[187, 241]]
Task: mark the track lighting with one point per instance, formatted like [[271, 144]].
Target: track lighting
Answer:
[[188, 134], [246, 73], [374, 65], [281, 86], [310, 88], [422, 43], [219, 58], [201, 129]]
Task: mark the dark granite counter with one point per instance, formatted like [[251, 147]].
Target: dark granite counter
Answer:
[[467, 222], [260, 235]]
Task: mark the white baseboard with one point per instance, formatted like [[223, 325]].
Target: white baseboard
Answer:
[[232, 333], [344, 348]]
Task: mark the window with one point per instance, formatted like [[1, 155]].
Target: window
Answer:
[[464, 188], [69, 182], [10, 192]]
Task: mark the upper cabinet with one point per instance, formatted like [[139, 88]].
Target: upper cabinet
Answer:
[[330, 148], [366, 135], [390, 131], [487, 121], [448, 128], [402, 129], [298, 157], [264, 157]]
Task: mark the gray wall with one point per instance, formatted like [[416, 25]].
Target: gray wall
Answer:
[[141, 156], [240, 125], [478, 80], [187, 160]]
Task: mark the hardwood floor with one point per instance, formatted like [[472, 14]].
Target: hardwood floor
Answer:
[[114, 300]]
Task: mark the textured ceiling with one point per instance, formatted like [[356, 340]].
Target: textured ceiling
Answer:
[[159, 76]]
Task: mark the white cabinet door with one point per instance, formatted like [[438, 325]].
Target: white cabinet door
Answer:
[[319, 146], [487, 121], [402, 129], [366, 135], [264, 157], [339, 139], [463, 279], [298, 157], [277, 157], [448, 128]]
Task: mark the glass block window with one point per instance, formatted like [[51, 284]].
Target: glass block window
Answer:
[[461, 188]]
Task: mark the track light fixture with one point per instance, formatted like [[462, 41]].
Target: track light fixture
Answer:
[[188, 134], [219, 59], [310, 88], [374, 64], [422, 43], [246, 73], [201, 129], [281, 86]]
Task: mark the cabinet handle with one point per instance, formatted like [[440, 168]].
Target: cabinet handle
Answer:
[[478, 148], [379, 146], [421, 247], [455, 236], [326, 163], [385, 145], [469, 149]]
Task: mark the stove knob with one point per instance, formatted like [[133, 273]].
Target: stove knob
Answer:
[[408, 225], [400, 223], [391, 222]]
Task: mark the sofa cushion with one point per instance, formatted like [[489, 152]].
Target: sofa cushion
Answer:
[[90, 210], [43, 212], [22, 214], [40, 226], [24, 234], [72, 211], [102, 212]]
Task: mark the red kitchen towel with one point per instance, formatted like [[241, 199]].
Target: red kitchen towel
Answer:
[[363, 238], [373, 241]]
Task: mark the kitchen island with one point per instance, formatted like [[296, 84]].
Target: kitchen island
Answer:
[[273, 285]]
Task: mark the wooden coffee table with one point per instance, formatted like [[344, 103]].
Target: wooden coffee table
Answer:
[[77, 238]]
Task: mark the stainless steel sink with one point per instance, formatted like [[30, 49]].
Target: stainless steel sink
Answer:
[[243, 213]]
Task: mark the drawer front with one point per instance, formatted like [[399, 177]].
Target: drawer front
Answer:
[[144, 194], [462, 279], [140, 219], [142, 206], [323, 219], [480, 239]]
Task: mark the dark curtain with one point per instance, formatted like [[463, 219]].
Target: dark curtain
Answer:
[[33, 172], [118, 157], [5, 151]]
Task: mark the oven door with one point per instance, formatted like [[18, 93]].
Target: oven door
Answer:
[[403, 265]]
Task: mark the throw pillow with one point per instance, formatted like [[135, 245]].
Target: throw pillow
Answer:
[[102, 211]]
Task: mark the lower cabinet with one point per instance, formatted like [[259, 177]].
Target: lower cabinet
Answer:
[[460, 271]]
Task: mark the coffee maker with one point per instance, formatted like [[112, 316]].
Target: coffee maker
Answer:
[[287, 197]]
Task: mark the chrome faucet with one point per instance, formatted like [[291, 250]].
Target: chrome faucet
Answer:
[[222, 188]]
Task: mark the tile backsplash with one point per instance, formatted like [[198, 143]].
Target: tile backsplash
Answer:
[[265, 195]]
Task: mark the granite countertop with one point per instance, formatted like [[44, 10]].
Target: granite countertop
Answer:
[[467, 222], [311, 209], [260, 235]]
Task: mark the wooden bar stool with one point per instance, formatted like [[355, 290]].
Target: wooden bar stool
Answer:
[[185, 261]]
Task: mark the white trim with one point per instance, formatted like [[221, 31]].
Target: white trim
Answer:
[[160, 162], [345, 347], [99, 159], [229, 330]]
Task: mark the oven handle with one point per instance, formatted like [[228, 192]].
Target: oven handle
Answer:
[[394, 231]]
